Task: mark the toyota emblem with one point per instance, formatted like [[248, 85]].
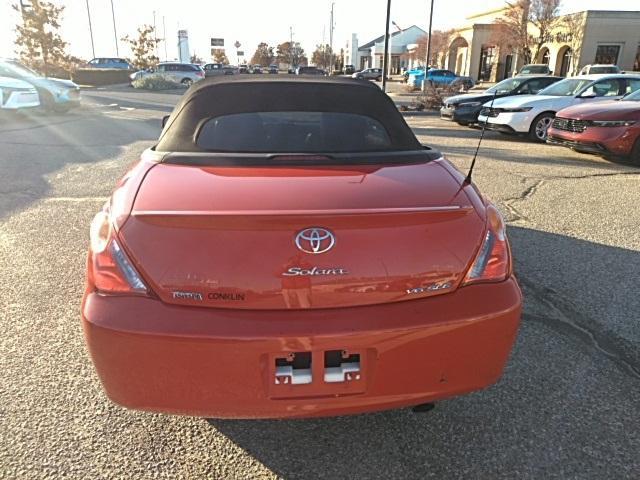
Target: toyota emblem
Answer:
[[315, 240]]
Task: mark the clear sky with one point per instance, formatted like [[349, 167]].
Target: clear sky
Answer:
[[253, 21]]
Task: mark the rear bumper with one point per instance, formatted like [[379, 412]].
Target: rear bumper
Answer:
[[221, 363]]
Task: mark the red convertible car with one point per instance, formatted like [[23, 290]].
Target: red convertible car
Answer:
[[605, 128], [289, 249]]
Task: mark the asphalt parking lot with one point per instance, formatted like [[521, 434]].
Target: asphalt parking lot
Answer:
[[567, 406]]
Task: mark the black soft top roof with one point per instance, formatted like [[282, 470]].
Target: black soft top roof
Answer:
[[217, 96]]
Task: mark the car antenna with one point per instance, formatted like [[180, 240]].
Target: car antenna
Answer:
[[467, 180]]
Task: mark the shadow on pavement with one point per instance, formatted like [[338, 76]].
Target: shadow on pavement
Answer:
[[527, 426], [37, 145]]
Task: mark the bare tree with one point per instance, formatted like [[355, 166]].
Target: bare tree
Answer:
[[512, 32], [220, 56], [143, 47], [263, 55], [439, 47], [286, 53], [321, 56], [543, 14], [574, 25], [40, 45]]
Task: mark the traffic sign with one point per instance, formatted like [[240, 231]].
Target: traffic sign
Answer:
[[217, 42]]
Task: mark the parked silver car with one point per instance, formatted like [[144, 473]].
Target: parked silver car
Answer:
[[368, 74], [184, 73], [17, 94]]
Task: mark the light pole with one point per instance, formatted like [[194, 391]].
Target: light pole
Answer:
[[426, 67], [115, 34], [291, 47], [93, 50], [155, 34], [331, 42], [386, 48], [164, 39]]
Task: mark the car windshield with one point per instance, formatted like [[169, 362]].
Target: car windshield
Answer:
[[566, 88], [12, 69], [506, 86], [283, 132], [632, 97]]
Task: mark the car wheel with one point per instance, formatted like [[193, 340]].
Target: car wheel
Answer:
[[540, 125], [48, 102], [634, 157], [187, 82], [464, 124], [61, 108]]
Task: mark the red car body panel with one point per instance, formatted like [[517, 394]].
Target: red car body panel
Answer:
[[397, 227], [202, 300], [600, 140], [220, 362]]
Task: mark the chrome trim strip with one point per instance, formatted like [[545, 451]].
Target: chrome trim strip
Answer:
[[345, 211]]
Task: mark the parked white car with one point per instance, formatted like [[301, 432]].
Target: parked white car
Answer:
[[532, 114], [599, 68], [16, 94]]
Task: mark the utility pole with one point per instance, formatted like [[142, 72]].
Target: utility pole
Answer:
[[115, 34], [155, 33], [426, 67], [291, 46], [164, 35], [93, 49], [385, 62], [331, 41]]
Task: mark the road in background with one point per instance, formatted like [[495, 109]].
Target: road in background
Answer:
[[567, 406]]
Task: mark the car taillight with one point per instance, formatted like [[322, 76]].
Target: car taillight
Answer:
[[109, 268], [200, 74], [493, 261]]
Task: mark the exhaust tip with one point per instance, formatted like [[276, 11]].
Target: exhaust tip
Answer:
[[423, 408]]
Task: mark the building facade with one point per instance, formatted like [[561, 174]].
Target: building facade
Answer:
[[578, 39], [370, 54], [475, 50]]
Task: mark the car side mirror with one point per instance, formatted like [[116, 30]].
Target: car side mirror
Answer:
[[165, 119]]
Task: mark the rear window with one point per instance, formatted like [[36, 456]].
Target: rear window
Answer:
[[294, 131], [597, 70], [535, 69]]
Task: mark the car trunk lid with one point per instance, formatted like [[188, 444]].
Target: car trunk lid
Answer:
[[237, 237]]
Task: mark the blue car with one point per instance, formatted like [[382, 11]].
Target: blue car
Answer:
[[103, 62], [55, 94], [438, 77]]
